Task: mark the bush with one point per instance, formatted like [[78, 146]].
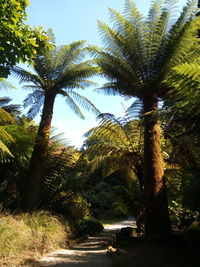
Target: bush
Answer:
[[88, 227], [26, 234], [181, 217], [73, 206]]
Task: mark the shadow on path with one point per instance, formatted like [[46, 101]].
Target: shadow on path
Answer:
[[90, 253]]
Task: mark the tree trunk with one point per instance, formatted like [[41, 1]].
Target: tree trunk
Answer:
[[139, 172], [34, 181], [156, 220]]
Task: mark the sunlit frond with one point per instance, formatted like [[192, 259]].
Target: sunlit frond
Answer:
[[139, 52], [5, 117], [60, 70], [4, 84], [115, 144]]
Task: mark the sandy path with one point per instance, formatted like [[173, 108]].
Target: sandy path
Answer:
[[90, 253]]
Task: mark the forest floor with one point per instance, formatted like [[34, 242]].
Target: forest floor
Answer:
[[92, 252], [100, 251]]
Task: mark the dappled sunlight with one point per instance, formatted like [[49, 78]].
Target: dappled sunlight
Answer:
[[92, 252]]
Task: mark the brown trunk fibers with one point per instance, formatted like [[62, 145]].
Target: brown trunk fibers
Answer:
[[157, 224], [34, 181]]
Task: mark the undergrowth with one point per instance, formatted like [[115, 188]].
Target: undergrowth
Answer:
[[27, 235]]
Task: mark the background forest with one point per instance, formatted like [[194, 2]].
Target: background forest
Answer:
[[145, 164]]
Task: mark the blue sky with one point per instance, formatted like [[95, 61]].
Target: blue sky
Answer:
[[73, 20]]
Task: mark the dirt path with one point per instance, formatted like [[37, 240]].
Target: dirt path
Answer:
[[90, 253]]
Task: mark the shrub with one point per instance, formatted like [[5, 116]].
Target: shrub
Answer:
[[73, 206], [181, 217]]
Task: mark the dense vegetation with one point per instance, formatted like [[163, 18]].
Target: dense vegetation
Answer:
[[145, 164]]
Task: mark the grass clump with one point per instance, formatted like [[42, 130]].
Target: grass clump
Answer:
[[15, 238], [23, 236]]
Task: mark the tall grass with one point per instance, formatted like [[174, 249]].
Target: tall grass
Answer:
[[26, 235]]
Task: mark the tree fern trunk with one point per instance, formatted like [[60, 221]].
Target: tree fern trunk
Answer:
[[34, 181], [157, 224]]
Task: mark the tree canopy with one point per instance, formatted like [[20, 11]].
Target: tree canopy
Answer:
[[18, 41]]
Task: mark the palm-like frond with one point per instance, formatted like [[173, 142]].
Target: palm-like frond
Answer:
[[4, 84], [26, 76], [114, 145], [4, 149], [9, 108], [139, 52], [72, 97], [35, 100], [188, 77], [127, 198], [5, 118], [72, 104], [185, 81], [84, 102], [61, 70], [182, 124]]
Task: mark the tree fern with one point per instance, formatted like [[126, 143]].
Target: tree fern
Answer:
[[138, 55], [115, 145], [59, 71]]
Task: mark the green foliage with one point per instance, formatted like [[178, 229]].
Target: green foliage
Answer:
[[186, 83], [14, 169], [59, 71], [21, 235], [127, 198], [59, 166], [101, 197], [72, 205], [115, 144], [10, 108], [5, 120], [146, 49], [7, 113], [18, 40], [182, 218], [182, 127], [183, 187]]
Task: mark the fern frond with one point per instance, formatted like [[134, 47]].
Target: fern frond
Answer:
[[4, 84], [72, 104], [5, 117], [5, 149], [140, 52], [114, 145], [185, 81], [84, 102]]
